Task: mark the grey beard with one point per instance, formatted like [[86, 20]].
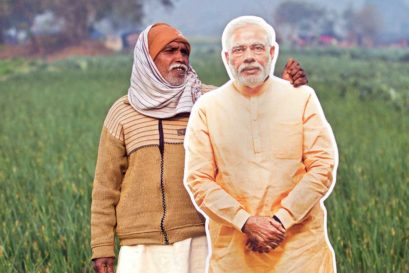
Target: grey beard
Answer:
[[252, 80]]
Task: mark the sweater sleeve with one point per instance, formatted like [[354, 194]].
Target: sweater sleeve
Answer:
[[320, 157], [200, 175], [111, 166]]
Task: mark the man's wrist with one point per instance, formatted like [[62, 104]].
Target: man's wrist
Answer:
[[278, 220], [244, 225], [103, 251]]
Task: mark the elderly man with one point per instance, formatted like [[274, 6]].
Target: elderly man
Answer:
[[138, 188], [260, 157]]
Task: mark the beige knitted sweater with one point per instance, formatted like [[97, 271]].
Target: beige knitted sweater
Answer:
[[138, 190]]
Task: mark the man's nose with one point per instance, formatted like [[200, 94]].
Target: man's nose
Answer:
[[248, 56], [181, 57], [249, 59]]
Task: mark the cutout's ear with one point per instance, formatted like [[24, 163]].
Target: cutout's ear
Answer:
[[272, 50], [226, 55]]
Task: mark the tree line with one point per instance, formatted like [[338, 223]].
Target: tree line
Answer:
[[361, 26], [78, 15]]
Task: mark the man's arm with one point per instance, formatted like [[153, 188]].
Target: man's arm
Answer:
[[110, 168], [212, 199], [320, 157], [293, 72], [200, 175]]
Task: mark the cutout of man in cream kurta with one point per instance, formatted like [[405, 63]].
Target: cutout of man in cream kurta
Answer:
[[258, 148]]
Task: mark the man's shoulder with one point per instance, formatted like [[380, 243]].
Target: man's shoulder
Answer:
[[207, 87], [121, 102], [120, 110], [303, 91], [119, 105], [216, 96], [215, 92]]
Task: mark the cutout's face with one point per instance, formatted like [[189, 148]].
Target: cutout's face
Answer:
[[249, 55], [172, 62]]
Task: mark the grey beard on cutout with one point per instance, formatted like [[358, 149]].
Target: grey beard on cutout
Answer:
[[252, 80]]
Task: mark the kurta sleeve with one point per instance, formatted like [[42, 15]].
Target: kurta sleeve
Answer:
[[320, 157], [111, 165], [200, 175]]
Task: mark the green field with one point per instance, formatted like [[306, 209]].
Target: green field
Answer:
[[51, 116]]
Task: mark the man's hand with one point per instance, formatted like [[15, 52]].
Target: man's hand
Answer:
[[103, 265], [294, 73], [264, 233]]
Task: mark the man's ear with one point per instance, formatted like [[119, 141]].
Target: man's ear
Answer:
[[226, 55], [272, 50]]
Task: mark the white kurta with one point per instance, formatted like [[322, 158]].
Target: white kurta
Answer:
[[187, 256]]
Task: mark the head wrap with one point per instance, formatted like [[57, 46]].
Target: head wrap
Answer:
[[150, 94], [162, 34]]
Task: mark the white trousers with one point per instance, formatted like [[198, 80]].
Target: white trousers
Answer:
[[187, 256]]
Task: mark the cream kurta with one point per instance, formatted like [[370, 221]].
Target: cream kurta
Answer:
[[270, 153]]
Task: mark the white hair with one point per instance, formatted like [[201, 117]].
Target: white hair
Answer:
[[239, 22], [245, 21]]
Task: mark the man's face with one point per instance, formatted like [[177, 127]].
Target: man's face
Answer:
[[249, 56], [172, 62]]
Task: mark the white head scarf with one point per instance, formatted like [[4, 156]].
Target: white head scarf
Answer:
[[150, 94]]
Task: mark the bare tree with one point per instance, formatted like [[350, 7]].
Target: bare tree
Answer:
[[18, 14], [364, 25], [297, 15], [78, 15]]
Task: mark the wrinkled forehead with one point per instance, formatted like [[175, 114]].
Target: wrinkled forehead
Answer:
[[247, 35], [176, 46]]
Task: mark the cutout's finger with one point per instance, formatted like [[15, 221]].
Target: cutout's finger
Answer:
[[255, 247], [276, 237], [249, 244], [274, 244]]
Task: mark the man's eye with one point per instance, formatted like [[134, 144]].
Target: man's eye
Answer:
[[238, 50], [170, 50]]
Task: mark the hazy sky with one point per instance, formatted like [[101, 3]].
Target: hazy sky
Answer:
[[208, 18], [194, 17]]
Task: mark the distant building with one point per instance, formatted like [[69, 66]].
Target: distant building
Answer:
[[327, 40]]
